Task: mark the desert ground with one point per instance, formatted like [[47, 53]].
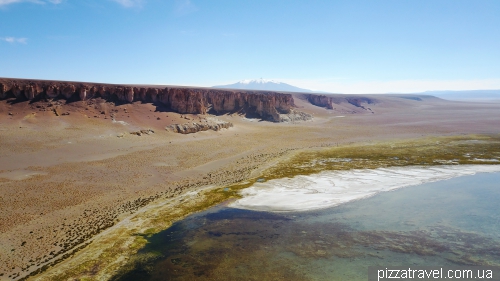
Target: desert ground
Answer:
[[70, 182]]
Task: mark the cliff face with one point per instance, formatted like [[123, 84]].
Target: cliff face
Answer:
[[328, 101], [266, 105], [321, 101]]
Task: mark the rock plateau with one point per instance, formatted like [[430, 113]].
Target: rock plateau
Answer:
[[266, 105]]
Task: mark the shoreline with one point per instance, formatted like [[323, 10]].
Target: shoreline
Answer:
[[115, 250], [328, 189], [95, 176], [110, 250]]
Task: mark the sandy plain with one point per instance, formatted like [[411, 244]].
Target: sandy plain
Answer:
[[79, 192]]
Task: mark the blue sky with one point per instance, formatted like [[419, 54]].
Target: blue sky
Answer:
[[336, 46]]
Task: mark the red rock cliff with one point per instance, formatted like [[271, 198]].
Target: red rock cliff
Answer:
[[266, 105], [328, 101]]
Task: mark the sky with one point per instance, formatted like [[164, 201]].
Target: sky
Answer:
[[336, 46]]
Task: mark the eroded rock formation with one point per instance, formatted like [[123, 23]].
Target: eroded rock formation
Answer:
[[295, 116], [3, 91], [321, 101], [194, 127], [266, 105], [328, 101], [68, 90]]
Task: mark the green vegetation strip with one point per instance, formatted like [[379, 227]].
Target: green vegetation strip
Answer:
[[471, 149]]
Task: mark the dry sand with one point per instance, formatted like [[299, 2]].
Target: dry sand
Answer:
[[63, 179]]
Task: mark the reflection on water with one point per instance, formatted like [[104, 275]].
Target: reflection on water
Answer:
[[453, 222]]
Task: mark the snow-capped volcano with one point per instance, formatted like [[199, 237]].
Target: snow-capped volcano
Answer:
[[259, 81], [263, 85]]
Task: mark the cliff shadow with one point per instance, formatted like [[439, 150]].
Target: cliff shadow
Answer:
[[239, 112], [160, 107], [13, 100], [253, 115]]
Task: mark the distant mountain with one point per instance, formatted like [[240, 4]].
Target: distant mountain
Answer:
[[477, 95], [264, 85]]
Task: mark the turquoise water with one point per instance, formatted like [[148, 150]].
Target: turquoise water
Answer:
[[452, 222]]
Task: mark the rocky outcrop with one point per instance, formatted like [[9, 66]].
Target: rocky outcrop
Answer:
[[32, 91], [82, 93], [140, 93], [52, 91], [321, 101], [143, 132], [128, 94], [3, 91], [17, 91], [185, 100], [195, 127], [359, 101], [295, 116], [266, 105], [328, 101], [68, 91]]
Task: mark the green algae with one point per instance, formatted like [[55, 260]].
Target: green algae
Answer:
[[422, 152], [233, 244], [470, 149], [163, 219]]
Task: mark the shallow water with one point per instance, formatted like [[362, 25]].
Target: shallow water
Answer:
[[331, 188], [451, 222]]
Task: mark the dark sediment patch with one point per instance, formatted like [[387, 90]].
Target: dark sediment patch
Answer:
[[229, 244]]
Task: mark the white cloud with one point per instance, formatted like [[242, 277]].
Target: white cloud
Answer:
[[7, 2], [14, 40], [183, 7], [129, 3], [348, 86]]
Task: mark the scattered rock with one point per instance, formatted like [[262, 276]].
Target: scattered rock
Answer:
[[143, 132]]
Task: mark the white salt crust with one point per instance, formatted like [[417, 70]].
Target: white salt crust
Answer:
[[332, 188]]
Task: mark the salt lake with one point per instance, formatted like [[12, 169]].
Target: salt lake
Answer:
[[442, 217]]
